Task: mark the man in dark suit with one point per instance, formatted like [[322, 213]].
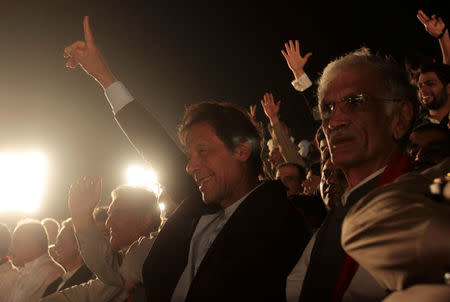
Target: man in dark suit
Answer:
[[68, 255], [232, 238]]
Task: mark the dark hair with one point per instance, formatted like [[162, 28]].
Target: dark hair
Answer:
[[301, 170], [233, 125], [442, 71], [5, 239], [315, 169], [100, 214]]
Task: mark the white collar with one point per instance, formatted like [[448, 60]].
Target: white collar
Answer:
[[362, 182], [37, 262]]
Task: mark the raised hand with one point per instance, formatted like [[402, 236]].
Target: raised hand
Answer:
[[253, 112], [434, 26], [84, 195], [87, 54], [271, 108], [294, 59]]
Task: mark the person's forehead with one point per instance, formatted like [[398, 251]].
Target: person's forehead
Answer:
[[352, 80], [428, 76], [199, 133], [287, 170]]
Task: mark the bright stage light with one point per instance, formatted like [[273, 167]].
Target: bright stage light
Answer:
[[139, 176], [22, 180]]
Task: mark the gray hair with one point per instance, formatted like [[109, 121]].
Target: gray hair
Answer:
[[394, 78], [141, 200]]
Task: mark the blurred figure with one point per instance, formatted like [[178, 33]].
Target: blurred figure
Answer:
[[8, 273], [133, 214], [281, 134], [434, 92], [312, 181], [68, 255], [429, 144], [322, 146], [332, 184], [291, 175], [100, 216], [29, 250], [52, 228], [275, 158]]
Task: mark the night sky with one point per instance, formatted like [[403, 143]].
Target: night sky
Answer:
[[169, 54]]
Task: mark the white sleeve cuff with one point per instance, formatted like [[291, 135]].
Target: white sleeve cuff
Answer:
[[302, 83], [118, 96]]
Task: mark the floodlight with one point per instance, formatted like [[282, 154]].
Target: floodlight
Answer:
[[22, 180], [140, 176]]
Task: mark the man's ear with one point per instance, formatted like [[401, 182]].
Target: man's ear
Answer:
[[402, 119], [243, 151]]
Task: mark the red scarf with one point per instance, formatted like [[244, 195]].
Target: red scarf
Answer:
[[398, 165]]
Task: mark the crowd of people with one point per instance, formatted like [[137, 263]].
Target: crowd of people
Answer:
[[361, 213]]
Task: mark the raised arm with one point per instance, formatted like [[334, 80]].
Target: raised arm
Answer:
[[287, 148], [96, 251], [87, 54], [142, 129], [436, 27]]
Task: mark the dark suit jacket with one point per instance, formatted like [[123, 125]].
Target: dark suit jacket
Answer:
[[83, 274], [252, 255]]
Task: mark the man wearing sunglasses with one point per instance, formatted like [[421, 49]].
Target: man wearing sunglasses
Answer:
[[367, 107]]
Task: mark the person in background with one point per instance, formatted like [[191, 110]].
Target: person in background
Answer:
[[312, 182], [291, 175], [51, 226], [429, 144], [68, 255], [434, 93], [29, 251], [8, 272], [100, 216], [133, 216]]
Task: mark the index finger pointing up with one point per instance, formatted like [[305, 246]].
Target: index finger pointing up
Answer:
[[88, 36]]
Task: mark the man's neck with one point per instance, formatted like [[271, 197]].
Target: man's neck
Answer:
[[244, 188], [355, 175]]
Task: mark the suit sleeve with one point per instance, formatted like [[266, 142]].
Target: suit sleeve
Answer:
[[397, 232], [154, 144]]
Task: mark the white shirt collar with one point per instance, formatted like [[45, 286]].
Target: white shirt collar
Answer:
[[365, 180], [36, 262]]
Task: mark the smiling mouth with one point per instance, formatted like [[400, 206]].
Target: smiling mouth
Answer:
[[203, 180]]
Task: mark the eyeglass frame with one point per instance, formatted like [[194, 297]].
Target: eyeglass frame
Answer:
[[362, 99]]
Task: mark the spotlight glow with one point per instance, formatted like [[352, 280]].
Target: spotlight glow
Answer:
[[139, 176], [22, 180]]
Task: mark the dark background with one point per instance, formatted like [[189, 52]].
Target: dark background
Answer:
[[169, 54]]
